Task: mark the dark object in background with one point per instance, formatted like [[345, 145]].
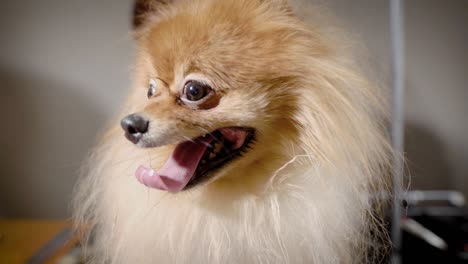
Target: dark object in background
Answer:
[[435, 228]]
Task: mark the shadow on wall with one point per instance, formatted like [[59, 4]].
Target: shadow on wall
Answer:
[[47, 129], [426, 161]]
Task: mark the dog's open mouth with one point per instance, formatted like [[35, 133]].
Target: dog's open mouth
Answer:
[[194, 161]]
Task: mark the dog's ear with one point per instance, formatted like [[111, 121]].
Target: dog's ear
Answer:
[[143, 9], [278, 2], [283, 5]]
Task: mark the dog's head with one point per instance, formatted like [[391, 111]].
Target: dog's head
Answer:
[[216, 79]]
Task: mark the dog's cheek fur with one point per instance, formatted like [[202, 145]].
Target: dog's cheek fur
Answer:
[[303, 195]]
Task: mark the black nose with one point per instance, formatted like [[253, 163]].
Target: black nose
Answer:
[[134, 126]]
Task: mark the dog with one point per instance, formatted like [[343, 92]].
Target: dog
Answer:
[[249, 136]]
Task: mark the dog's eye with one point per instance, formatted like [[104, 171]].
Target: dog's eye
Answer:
[[195, 91], [152, 89]]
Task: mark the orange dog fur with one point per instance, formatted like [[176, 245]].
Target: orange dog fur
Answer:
[[304, 190]]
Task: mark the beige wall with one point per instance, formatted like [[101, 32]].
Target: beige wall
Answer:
[[64, 68], [437, 104], [437, 83]]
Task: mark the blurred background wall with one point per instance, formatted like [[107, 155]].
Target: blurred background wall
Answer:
[[65, 66], [436, 103]]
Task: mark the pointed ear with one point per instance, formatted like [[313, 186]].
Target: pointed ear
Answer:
[[283, 5], [143, 9], [278, 2]]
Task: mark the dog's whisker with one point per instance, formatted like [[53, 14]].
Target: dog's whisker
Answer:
[[189, 139], [134, 158], [206, 144], [155, 205], [208, 133]]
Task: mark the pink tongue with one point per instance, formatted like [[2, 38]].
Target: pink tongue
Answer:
[[178, 170], [236, 136]]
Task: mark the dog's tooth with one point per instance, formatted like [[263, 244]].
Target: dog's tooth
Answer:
[[217, 148], [151, 173], [212, 155]]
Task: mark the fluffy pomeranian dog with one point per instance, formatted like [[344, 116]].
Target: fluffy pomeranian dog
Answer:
[[250, 137]]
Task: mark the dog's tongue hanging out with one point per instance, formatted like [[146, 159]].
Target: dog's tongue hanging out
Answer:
[[177, 171], [182, 164]]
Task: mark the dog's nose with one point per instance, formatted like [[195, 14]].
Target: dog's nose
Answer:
[[134, 126]]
